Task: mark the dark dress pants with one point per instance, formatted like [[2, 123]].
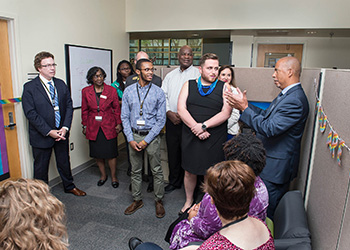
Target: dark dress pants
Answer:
[[42, 159], [276, 191], [173, 141]]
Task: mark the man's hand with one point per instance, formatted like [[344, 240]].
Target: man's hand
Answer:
[[57, 134], [204, 135], [118, 128], [135, 146], [143, 144], [173, 117], [238, 101], [197, 129]]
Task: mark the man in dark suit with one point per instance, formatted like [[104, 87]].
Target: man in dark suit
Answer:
[[47, 104], [280, 127]]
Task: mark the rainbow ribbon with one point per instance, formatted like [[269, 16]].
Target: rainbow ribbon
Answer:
[[11, 100], [329, 139], [334, 143], [340, 151], [323, 122]]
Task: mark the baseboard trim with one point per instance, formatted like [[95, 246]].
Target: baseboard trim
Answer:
[[78, 169]]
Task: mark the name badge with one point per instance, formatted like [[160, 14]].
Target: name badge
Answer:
[[140, 122], [98, 118], [103, 96], [56, 108]]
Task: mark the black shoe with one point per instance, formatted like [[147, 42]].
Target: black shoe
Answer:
[[169, 188], [101, 182], [115, 184], [150, 188], [134, 242]]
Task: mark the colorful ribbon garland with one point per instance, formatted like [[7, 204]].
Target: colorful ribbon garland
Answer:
[[11, 100], [340, 151]]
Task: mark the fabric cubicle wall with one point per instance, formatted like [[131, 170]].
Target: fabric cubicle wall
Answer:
[[327, 203]]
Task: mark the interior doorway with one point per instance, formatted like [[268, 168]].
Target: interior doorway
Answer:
[[269, 54], [10, 165]]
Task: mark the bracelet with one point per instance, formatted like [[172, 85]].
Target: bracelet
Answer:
[[143, 142]]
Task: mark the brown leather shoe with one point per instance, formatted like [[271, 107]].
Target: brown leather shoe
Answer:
[[76, 191], [160, 211], [133, 207]]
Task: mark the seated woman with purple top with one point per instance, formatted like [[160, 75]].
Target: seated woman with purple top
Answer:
[[203, 219]]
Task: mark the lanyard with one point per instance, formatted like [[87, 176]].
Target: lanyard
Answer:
[[138, 94], [97, 100], [235, 222], [48, 91]]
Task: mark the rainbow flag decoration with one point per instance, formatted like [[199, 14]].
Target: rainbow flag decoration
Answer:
[[11, 100]]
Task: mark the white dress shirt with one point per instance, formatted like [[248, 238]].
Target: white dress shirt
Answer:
[[173, 83]]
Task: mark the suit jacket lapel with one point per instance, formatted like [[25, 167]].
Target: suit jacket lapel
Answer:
[[41, 89]]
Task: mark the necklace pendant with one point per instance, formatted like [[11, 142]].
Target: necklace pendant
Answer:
[[141, 113]]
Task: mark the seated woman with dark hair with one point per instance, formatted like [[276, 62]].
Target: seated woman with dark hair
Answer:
[[230, 185], [203, 219], [31, 217]]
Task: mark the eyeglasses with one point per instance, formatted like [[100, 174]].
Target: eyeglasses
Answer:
[[125, 69], [148, 69], [99, 76], [49, 65]]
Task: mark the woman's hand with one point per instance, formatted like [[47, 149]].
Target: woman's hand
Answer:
[[118, 128], [193, 211], [84, 131]]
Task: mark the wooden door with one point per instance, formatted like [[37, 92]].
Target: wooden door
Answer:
[[269, 54], [9, 155]]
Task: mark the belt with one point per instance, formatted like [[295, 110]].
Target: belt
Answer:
[[140, 132]]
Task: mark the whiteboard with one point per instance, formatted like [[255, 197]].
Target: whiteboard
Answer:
[[79, 59]]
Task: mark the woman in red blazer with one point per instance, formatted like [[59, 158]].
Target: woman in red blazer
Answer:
[[100, 113]]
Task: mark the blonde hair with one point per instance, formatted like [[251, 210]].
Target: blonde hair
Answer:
[[31, 217]]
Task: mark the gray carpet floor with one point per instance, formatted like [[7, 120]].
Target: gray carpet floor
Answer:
[[97, 221]]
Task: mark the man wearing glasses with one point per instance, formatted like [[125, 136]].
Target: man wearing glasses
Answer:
[[47, 104], [143, 117], [134, 78]]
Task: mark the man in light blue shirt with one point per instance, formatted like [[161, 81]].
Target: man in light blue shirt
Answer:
[[143, 117]]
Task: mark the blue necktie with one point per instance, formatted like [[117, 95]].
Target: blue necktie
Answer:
[[273, 104], [54, 98]]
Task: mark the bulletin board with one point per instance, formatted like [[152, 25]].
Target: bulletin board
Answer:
[[79, 59]]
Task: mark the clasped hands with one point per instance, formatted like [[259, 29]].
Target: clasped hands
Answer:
[[192, 212], [58, 134], [138, 146], [199, 132]]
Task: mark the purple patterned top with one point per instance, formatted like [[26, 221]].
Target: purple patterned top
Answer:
[[207, 221]]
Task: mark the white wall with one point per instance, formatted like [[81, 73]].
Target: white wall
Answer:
[[240, 14], [318, 52], [47, 25]]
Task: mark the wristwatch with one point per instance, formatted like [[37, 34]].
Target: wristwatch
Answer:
[[204, 127]]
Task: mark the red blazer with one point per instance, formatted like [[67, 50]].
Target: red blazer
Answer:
[[109, 110]]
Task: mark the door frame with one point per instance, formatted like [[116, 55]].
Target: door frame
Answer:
[[25, 151]]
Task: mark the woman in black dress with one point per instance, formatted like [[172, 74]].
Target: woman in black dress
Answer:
[[202, 108]]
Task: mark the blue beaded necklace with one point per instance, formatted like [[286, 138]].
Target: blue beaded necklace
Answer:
[[200, 87]]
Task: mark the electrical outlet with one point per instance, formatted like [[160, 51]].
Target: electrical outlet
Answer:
[[71, 146]]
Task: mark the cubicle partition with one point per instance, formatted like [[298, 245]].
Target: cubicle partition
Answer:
[[328, 190]]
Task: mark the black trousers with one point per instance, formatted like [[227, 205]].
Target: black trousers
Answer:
[[42, 159], [173, 141]]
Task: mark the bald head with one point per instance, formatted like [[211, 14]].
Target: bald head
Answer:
[[292, 63], [141, 55], [185, 57], [287, 72]]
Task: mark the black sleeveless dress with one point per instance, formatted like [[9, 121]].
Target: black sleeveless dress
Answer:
[[198, 155]]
